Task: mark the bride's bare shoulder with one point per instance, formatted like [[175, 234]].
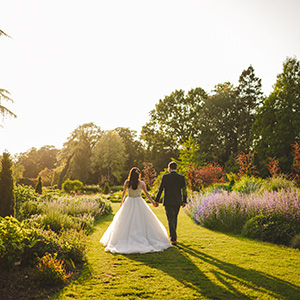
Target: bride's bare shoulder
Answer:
[[141, 184]]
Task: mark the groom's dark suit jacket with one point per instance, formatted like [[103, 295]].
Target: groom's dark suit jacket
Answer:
[[173, 185]]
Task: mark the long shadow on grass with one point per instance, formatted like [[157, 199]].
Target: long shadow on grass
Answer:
[[178, 265], [255, 280]]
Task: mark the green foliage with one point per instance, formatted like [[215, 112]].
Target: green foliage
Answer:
[[174, 119], [23, 194], [28, 209], [22, 242], [295, 243], [273, 228], [276, 183], [73, 246], [106, 189], [4, 95], [189, 154], [64, 171], [247, 185], [88, 189], [109, 156], [72, 186], [77, 153], [51, 271], [277, 122], [57, 221], [35, 160], [7, 196], [39, 186]]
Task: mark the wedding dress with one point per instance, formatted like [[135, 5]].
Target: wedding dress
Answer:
[[135, 228]]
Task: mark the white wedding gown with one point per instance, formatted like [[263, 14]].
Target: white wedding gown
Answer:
[[135, 228]]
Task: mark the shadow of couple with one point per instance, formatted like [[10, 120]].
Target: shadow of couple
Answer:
[[177, 263]]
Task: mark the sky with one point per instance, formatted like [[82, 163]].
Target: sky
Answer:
[[71, 62]]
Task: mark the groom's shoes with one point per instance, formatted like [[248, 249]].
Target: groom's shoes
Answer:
[[174, 243]]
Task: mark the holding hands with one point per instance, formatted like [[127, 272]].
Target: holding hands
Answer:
[[155, 204]]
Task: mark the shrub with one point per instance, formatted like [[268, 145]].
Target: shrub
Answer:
[[229, 212], [72, 186], [73, 246], [246, 166], [22, 242], [39, 186], [149, 174], [204, 176], [106, 189], [28, 209], [12, 235], [50, 271], [91, 189], [276, 183], [295, 243], [247, 185], [273, 228], [23, 194]]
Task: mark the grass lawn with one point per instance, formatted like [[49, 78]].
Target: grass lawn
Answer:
[[205, 265]]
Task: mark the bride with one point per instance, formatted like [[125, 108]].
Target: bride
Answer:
[[135, 228]]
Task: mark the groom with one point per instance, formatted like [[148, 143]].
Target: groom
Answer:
[[175, 195]]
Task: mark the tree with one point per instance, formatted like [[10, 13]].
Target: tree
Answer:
[[4, 94], [36, 160], [277, 122], [134, 149], [109, 156], [149, 174], [173, 120], [39, 186], [3, 110], [219, 132], [250, 98], [47, 176], [7, 196], [64, 171], [79, 146], [189, 153]]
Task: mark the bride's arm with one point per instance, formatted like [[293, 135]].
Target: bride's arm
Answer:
[[124, 192], [144, 188]]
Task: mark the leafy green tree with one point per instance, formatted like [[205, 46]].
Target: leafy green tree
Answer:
[[80, 143], [277, 122], [134, 149], [64, 172], [36, 160], [109, 156], [173, 120], [189, 153], [219, 133], [7, 196]]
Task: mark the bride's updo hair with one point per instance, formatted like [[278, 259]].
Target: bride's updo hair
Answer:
[[134, 177]]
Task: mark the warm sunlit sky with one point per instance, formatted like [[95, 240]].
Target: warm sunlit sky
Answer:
[[71, 62]]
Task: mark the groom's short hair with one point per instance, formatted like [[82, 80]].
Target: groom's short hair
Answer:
[[172, 165]]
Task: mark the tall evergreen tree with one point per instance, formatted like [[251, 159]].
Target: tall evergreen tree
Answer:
[[250, 98], [39, 186], [7, 196]]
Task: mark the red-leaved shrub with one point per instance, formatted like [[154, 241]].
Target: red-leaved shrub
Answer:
[[205, 175]]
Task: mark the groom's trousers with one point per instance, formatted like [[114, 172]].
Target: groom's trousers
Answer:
[[172, 214]]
